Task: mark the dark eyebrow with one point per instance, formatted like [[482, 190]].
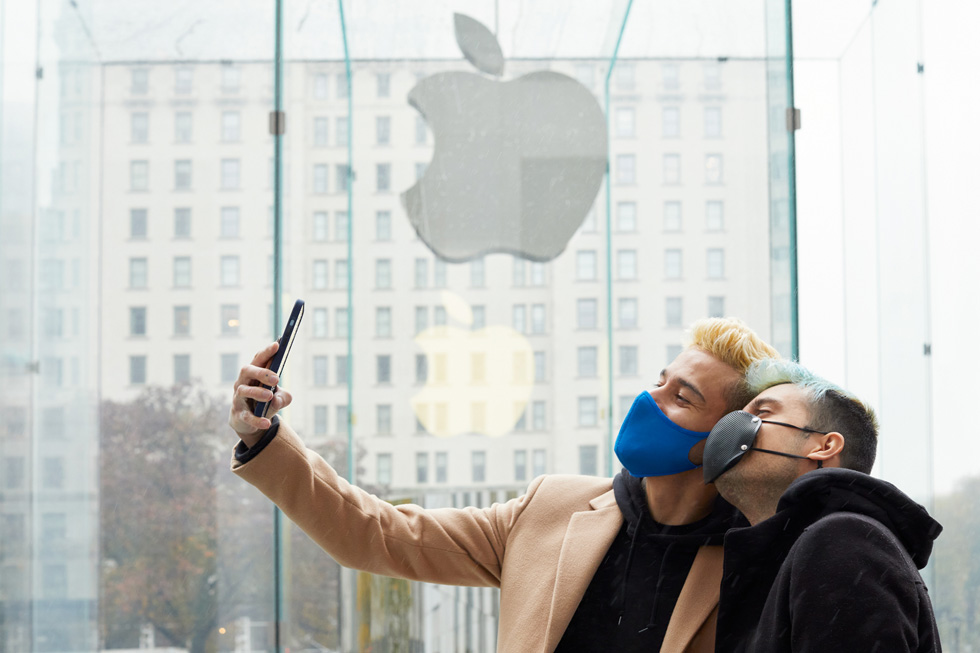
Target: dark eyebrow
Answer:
[[690, 386], [759, 402]]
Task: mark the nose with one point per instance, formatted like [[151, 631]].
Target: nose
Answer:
[[658, 395]]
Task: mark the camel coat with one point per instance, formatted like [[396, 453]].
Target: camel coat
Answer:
[[541, 549]]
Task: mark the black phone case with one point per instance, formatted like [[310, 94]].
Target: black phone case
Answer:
[[278, 362]]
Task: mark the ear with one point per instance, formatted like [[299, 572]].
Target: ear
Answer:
[[827, 448]]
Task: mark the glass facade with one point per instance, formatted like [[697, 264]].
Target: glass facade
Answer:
[[497, 254]]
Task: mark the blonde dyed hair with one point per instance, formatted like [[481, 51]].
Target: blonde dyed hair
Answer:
[[732, 342]]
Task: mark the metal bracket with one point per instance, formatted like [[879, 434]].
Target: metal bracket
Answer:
[[793, 119], [277, 123]]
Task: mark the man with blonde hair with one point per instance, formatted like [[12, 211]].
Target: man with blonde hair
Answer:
[[582, 563]]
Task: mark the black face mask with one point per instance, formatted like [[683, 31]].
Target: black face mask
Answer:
[[733, 436]]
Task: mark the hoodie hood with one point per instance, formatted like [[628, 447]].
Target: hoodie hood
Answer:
[[631, 497], [826, 491]]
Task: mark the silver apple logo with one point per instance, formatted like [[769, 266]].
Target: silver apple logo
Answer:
[[516, 164]]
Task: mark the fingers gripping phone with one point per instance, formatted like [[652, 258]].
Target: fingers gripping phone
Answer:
[[278, 362]]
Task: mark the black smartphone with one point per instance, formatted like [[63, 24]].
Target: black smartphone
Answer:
[[285, 344]]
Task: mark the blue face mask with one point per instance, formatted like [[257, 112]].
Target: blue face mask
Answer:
[[649, 444]]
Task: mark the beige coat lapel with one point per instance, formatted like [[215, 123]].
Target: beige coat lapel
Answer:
[[697, 600], [589, 535]]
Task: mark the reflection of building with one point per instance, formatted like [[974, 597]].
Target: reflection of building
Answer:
[[187, 272], [186, 196]]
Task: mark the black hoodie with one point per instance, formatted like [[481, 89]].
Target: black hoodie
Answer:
[[628, 603], [835, 569]]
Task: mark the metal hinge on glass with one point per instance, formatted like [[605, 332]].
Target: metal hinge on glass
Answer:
[[793, 119], [277, 122]]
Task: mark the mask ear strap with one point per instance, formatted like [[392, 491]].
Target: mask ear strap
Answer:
[[787, 455], [819, 464]]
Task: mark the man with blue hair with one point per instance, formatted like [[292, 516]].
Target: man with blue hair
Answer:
[[831, 559]]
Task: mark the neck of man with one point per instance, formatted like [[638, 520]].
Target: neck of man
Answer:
[[757, 503], [679, 499]]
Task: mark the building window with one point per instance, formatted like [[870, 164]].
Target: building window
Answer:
[[421, 467], [54, 581], [229, 368], [539, 462], [712, 169], [382, 130], [137, 321], [231, 79], [537, 274], [712, 75], [231, 126], [138, 273], [520, 272], [716, 263], [627, 312], [139, 81], [383, 177], [716, 307], [625, 169], [520, 318], [479, 466], [714, 216], [340, 226], [625, 122], [321, 81], [672, 216], [442, 467], [585, 265], [321, 226], [421, 273], [672, 264], [340, 274], [384, 419], [626, 217], [540, 372], [137, 370], [182, 175], [480, 316], [671, 122], [139, 127], [320, 172], [439, 274], [588, 411], [477, 273], [182, 272], [421, 368], [229, 222], [671, 75], [382, 322], [421, 131], [538, 416], [384, 84], [712, 122], [182, 368], [343, 419], [320, 132], [183, 127], [230, 323], [628, 360], [672, 169], [341, 365], [673, 311], [340, 322], [342, 90], [626, 264], [537, 319], [586, 313], [588, 362], [421, 319], [182, 320], [230, 267], [588, 460], [320, 274], [625, 76], [439, 316], [383, 369], [320, 420], [382, 226], [230, 174], [342, 131], [139, 175], [382, 273], [137, 224], [183, 81], [384, 468], [320, 323], [520, 465], [182, 223], [320, 364]]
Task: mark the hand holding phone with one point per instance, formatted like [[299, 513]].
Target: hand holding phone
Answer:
[[278, 362]]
